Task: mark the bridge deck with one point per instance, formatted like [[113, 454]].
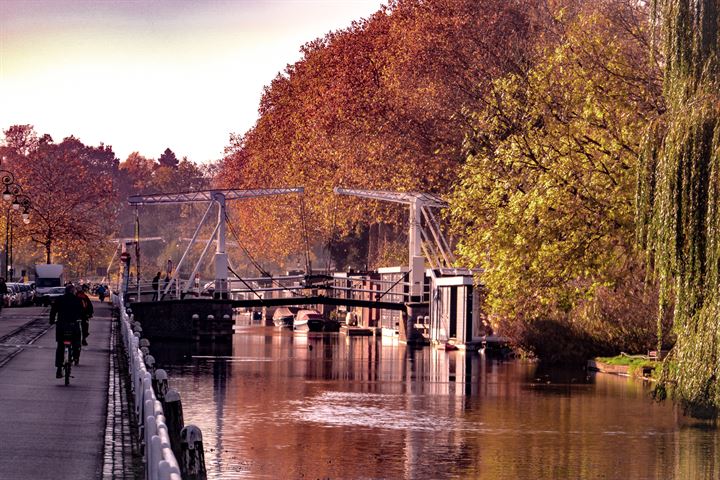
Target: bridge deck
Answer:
[[318, 299]]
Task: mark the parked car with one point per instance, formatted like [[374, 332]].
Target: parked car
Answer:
[[50, 295], [24, 294], [12, 298]]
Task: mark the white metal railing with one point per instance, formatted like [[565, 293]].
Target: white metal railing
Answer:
[[160, 462]]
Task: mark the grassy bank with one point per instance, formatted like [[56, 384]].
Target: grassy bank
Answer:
[[632, 365]]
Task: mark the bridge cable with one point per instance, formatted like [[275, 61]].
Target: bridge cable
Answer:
[[404, 276], [308, 265], [259, 267], [332, 237], [247, 285]]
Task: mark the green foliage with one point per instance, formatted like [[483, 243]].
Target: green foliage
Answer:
[[545, 200], [679, 201]]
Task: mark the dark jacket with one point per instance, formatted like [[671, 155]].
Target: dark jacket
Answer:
[[66, 311]]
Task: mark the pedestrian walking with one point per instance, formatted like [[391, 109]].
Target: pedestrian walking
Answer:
[[156, 285]]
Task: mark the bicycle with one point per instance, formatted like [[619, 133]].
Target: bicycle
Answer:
[[67, 359]]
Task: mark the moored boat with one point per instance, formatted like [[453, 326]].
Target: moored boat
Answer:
[[309, 320], [284, 316]]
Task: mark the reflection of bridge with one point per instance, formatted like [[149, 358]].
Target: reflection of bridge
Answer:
[[429, 294]]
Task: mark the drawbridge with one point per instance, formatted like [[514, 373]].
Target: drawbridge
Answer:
[[428, 295]]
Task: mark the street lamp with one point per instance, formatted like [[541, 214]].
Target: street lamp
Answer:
[[7, 179], [13, 191]]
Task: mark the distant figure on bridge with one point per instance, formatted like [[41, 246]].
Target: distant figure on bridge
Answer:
[[156, 285], [87, 312], [67, 312]]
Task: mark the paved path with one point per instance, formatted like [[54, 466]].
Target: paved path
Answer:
[[52, 431]]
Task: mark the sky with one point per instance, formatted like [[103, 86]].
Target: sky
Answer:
[[146, 75]]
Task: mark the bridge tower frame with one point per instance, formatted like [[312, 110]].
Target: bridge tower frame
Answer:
[[217, 197]]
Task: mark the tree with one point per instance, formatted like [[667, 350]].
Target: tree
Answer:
[[374, 106], [72, 190], [545, 201], [679, 201], [168, 159]]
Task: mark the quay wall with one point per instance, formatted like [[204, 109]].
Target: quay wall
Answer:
[[173, 319]]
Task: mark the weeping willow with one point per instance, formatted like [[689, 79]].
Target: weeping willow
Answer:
[[679, 202]]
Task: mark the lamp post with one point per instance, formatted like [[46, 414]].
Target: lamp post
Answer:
[[11, 191], [21, 202]]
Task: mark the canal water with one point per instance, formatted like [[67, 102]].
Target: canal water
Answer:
[[281, 405]]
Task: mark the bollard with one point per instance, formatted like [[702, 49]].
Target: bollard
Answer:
[[144, 342], [149, 362], [160, 385], [174, 419], [192, 457], [145, 351]]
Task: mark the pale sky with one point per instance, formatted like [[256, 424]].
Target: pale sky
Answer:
[[145, 75]]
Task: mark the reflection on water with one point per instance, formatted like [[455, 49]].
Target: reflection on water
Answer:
[[277, 404]]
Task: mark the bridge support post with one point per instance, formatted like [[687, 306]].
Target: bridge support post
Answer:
[[221, 260]]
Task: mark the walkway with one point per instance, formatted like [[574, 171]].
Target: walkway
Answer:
[[53, 431]]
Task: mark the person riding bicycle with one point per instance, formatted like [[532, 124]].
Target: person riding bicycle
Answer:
[[101, 292], [87, 312], [67, 311]]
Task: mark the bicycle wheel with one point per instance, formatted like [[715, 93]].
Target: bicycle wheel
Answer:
[[67, 368]]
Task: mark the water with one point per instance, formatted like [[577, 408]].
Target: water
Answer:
[[277, 404]]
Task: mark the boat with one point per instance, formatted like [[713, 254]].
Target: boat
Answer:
[[331, 325], [309, 320], [496, 346], [448, 346], [284, 316]]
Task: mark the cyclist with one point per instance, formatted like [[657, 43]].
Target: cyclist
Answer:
[[101, 292], [66, 311], [87, 312]]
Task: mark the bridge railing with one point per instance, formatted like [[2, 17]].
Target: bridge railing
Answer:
[[160, 461], [335, 286], [145, 291]]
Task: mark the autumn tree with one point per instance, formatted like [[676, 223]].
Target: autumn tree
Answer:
[[141, 175], [679, 201], [72, 191], [545, 202], [373, 106]]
